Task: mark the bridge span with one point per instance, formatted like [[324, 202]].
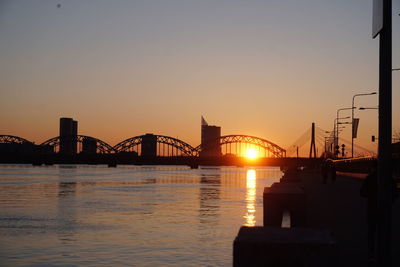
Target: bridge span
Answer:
[[151, 145], [151, 149]]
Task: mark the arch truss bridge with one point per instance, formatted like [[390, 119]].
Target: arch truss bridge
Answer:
[[9, 139], [84, 144], [163, 146], [240, 144], [155, 145]]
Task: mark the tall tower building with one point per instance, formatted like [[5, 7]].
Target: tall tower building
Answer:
[[149, 145], [68, 136], [210, 140]]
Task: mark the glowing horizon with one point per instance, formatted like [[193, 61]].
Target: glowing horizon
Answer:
[[251, 154]]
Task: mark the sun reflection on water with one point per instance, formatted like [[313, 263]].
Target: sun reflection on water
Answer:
[[250, 198]]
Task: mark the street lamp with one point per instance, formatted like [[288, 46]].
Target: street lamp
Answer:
[[337, 117], [352, 119], [336, 129], [325, 144], [340, 128], [335, 123], [331, 138]]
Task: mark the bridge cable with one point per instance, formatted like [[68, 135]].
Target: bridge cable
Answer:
[[300, 142]]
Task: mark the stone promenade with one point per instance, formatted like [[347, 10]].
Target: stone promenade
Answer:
[[338, 206]]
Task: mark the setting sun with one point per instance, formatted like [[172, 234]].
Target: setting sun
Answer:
[[251, 153]]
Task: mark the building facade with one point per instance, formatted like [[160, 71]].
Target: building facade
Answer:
[[149, 145], [68, 136], [210, 140]]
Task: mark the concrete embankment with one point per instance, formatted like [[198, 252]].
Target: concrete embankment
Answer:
[[338, 207]]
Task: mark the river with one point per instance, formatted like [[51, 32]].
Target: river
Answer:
[[73, 215]]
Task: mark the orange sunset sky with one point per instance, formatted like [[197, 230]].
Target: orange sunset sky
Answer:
[[125, 68]]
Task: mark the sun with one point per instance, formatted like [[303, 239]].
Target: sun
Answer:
[[251, 153]]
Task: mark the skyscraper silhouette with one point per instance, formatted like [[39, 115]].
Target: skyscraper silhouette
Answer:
[[68, 136], [210, 140]]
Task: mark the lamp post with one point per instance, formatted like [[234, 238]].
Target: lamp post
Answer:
[[330, 137], [336, 128], [325, 144], [336, 131], [340, 128], [385, 200], [337, 117], [352, 119]]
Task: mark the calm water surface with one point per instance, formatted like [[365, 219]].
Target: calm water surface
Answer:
[[130, 215]]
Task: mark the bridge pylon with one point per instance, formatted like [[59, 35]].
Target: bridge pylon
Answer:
[[312, 145]]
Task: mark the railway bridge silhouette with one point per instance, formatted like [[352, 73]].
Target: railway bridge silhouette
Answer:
[[161, 145], [155, 149]]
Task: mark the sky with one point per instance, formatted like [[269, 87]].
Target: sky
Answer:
[[125, 68]]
